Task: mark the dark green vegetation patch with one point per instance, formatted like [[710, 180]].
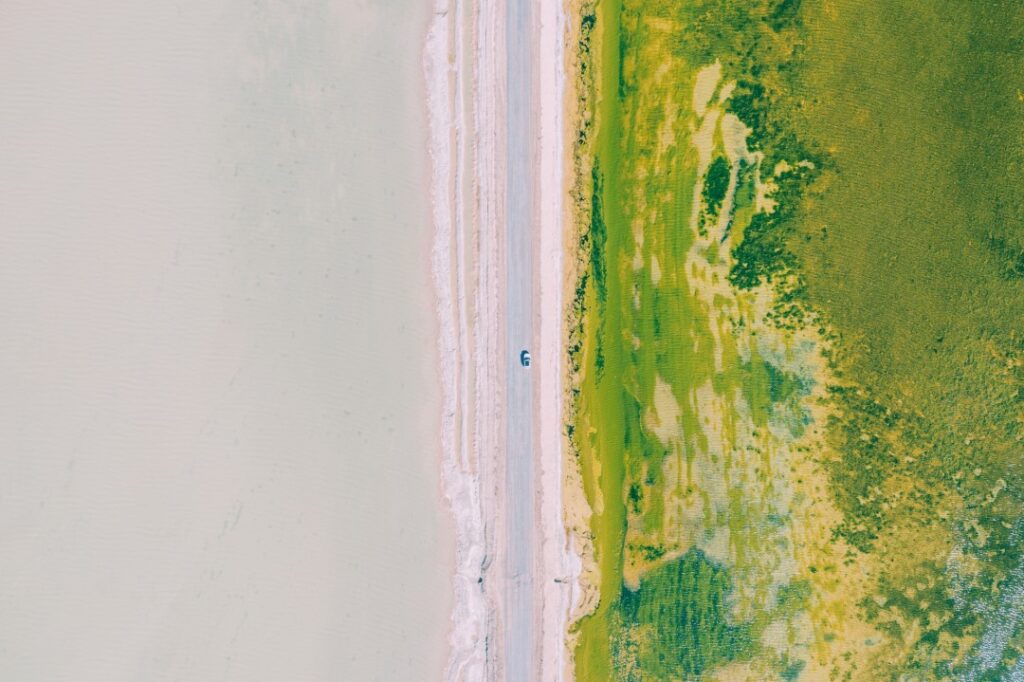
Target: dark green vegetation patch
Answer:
[[678, 624]]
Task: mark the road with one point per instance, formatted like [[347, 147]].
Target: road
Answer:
[[520, 650]]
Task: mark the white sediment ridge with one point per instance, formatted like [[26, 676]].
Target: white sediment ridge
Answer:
[[465, 72], [462, 476]]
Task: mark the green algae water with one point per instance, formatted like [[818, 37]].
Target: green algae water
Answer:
[[798, 339]]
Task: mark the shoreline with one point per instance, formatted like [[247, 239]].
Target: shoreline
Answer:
[[460, 477], [464, 69], [579, 99], [466, 270], [561, 567]]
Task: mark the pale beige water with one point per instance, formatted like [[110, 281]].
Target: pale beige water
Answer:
[[217, 392]]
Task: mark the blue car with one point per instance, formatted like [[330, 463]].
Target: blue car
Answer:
[[524, 358]]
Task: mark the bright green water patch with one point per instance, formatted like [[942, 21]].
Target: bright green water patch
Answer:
[[686, 415]]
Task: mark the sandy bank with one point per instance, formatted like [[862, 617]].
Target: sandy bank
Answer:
[[560, 566], [465, 71]]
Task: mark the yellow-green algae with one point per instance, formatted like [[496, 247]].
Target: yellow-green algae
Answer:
[[760, 513]]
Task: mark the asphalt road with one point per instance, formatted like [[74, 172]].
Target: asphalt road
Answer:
[[520, 650]]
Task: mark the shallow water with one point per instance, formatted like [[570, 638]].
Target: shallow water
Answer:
[[218, 438]]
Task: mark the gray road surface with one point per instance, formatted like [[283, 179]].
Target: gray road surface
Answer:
[[520, 662]]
